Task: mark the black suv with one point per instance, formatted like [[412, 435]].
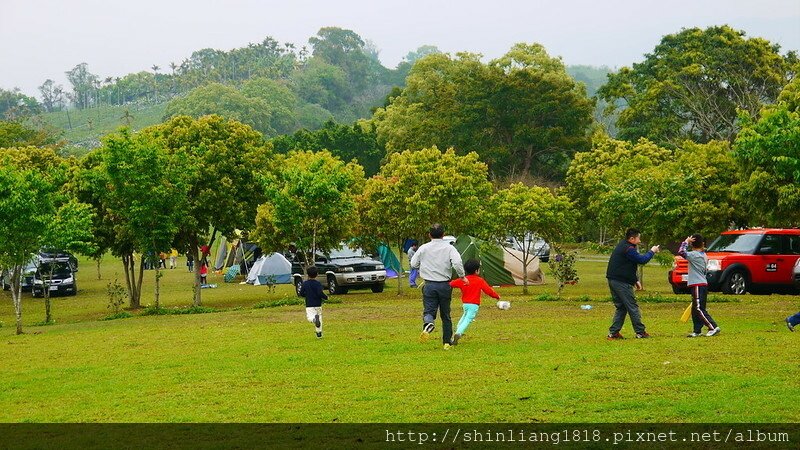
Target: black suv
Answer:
[[343, 269]]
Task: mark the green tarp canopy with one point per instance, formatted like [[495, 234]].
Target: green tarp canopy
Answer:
[[499, 266]]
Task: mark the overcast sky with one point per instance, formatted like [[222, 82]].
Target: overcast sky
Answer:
[[41, 39]]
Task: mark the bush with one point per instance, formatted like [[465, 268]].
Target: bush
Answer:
[[119, 315], [158, 311], [562, 267], [547, 298]]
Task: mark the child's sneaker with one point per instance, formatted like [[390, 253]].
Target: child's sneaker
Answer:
[[642, 335], [319, 334], [693, 335], [447, 346], [614, 336], [789, 325], [427, 329], [316, 321], [713, 332], [456, 337]]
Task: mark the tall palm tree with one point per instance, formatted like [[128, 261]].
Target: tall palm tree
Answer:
[[174, 67], [155, 68]]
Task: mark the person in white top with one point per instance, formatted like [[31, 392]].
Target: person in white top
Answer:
[[436, 261]]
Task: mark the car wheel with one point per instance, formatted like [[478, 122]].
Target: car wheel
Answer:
[[735, 283], [333, 286], [376, 288], [298, 284]]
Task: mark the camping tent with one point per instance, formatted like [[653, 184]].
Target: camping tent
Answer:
[[270, 269], [390, 261], [499, 265]]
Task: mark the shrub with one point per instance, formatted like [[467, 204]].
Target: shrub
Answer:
[[119, 315], [116, 296]]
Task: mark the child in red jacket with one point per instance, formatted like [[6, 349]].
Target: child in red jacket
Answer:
[[471, 296]]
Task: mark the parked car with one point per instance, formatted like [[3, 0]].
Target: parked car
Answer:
[[61, 282], [797, 275], [343, 269], [27, 277], [537, 246], [755, 260]]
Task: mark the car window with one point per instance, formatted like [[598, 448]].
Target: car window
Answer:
[[791, 244], [346, 252], [771, 245], [59, 269], [736, 243]]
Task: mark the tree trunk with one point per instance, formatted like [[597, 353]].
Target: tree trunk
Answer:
[[193, 242], [46, 287], [525, 260], [139, 281], [158, 285], [98, 268], [16, 295], [400, 274]]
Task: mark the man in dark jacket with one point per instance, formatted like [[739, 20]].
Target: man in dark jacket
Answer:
[[621, 274]]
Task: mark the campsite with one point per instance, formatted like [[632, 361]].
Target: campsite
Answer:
[[321, 220], [251, 357]]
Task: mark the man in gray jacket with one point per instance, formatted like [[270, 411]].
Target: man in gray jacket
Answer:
[[436, 261]]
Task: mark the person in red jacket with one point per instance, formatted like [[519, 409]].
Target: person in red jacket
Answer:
[[471, 296]]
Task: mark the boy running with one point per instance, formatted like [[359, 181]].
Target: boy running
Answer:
[[471, 296], [312, 291], [698, 284]]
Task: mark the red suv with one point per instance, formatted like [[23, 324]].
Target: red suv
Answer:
[[753, 260]]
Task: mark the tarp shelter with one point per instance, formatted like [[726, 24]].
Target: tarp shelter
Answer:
[[222, 254], [390, 261], [499, 266], [270, 269]]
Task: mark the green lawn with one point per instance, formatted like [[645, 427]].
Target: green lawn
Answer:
[[540, 361]]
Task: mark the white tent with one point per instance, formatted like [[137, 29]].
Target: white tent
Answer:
[[270, 269]]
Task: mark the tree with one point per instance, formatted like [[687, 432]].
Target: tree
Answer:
[[226, 161], [664, 193], [280, 99], [311, 203], [523, 213], [51, 95], [692, 84], [82, 85], [18, 134], [226, 102], [33, 209], [15, 105], [768, 152], [415, 189], [522, 113], [147, 193], [347, 142]]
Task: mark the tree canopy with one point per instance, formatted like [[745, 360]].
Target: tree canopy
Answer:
[[692, 84]]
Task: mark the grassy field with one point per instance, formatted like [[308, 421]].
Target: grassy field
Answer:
[[89, 125], [543, 361]]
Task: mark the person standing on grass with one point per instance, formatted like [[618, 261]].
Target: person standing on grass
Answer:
[[621, 275], [414, 273], [471, 296], [312, 291], [698, 284], [436, 261]]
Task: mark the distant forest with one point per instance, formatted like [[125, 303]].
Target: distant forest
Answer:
[[276, 88]]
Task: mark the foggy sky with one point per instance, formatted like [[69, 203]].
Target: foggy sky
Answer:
[[42, 39]]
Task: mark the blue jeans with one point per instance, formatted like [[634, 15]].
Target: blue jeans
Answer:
[[470, 311], [412, 277], [795, 319]]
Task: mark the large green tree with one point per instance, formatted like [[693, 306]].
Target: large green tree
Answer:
[[664, 193], [35, 212], [347, 142], [227, 160], [693, 83], [415, 189], [522, 113], [523, 212], [147, 194], [224, 101], [768, 152], [311, 202]]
